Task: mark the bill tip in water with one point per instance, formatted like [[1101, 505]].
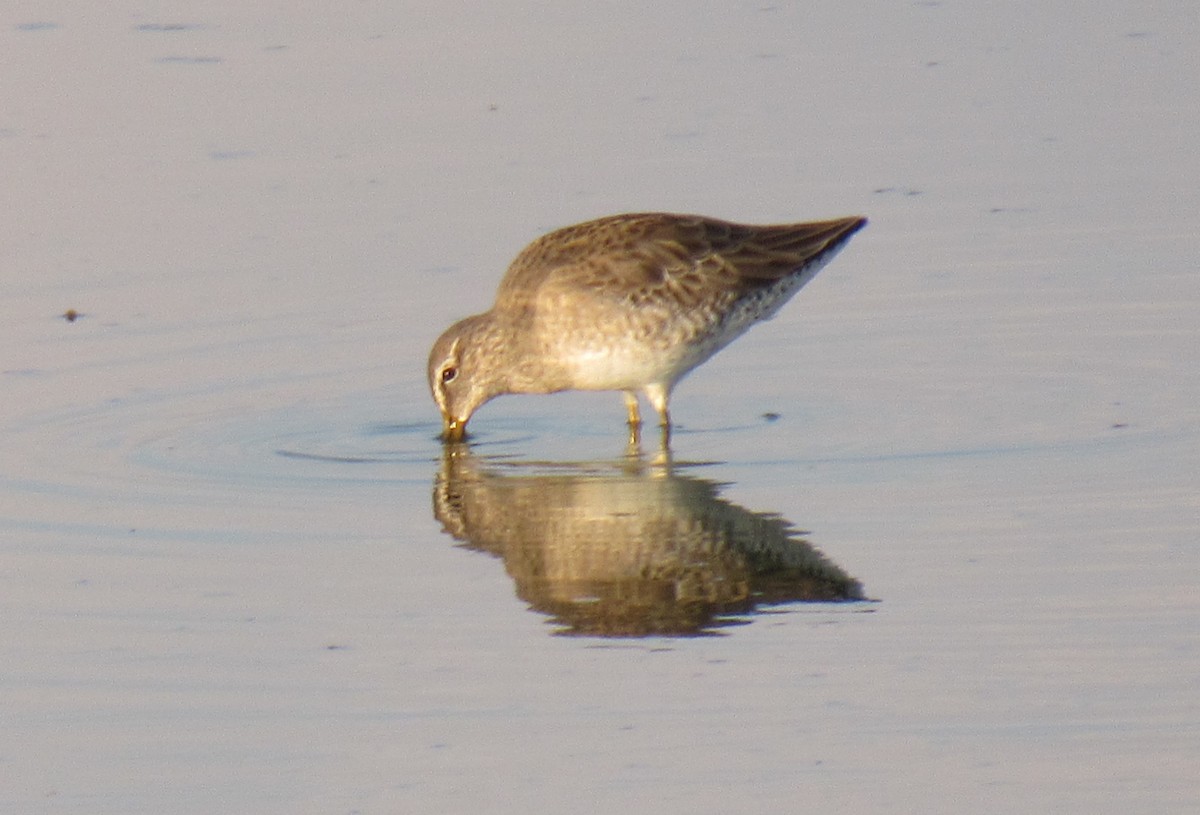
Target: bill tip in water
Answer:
[[453, 430]]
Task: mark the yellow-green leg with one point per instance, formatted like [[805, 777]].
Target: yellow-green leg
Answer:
[[634, 447], [659, 396], [631, 406]]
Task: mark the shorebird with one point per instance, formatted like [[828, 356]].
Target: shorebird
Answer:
[[630, 303]]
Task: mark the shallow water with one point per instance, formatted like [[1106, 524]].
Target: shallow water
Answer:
[[928, 541]]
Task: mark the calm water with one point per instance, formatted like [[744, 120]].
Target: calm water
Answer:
[[927, 542]]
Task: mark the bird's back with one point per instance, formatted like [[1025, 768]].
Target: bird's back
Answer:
[[631, 299], [640, 259]]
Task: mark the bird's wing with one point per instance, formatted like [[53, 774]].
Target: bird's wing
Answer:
[[640, 258]]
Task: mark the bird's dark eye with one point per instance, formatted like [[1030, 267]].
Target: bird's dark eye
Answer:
[[449, 373]]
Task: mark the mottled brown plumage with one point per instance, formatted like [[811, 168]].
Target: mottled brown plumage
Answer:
[[629, 303]]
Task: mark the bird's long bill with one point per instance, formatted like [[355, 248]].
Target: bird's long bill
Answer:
[[453, 429]]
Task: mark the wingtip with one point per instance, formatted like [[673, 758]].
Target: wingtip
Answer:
[[847, 226]]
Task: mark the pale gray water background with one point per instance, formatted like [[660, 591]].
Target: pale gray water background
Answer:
[[222, 585]]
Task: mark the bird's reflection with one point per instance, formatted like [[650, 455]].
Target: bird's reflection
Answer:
[[629, 548]]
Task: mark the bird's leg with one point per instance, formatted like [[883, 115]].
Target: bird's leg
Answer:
[[631, 406], [662, 456], [659, 397], [634, 447]]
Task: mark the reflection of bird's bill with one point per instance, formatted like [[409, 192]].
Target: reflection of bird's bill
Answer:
[[628, 547]]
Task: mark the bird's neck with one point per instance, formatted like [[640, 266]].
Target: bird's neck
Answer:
[[526, 369]]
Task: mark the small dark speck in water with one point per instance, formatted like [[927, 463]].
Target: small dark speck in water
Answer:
[[161, 27], [907, 191], [337, 647], [37, 26], [71, 315], [1119, 425], [771, 416]]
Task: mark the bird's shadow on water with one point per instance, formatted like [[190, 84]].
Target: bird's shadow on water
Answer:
[[629, 547]]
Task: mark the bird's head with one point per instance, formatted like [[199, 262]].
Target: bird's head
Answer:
[[462, 373]]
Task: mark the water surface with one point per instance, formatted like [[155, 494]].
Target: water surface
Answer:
[[926, 542]]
